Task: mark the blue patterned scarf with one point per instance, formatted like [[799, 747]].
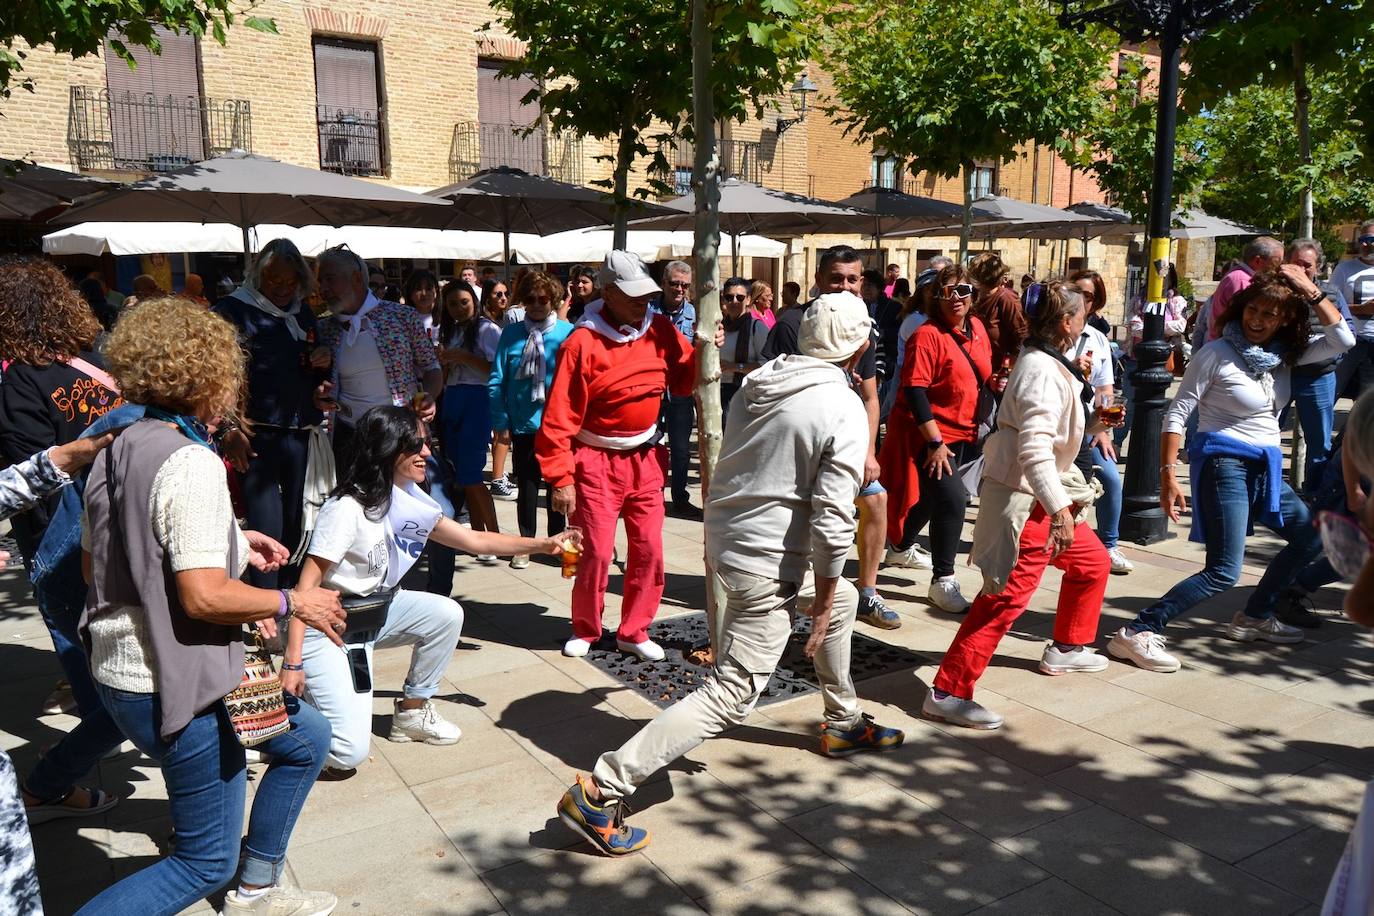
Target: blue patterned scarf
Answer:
[[1259, 360]]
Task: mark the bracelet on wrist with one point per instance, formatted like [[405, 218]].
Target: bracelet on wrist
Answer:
[[1167, 467], [287, 666]]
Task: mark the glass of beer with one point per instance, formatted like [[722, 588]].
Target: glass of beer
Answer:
[[1111, 409], [572, 551]]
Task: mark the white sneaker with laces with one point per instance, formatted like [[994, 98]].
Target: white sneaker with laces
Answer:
[[956, 711], [648, 650], [1269, 629], [911, 558], [944, 593], [520, 561], [423, 724], [280, 901], [1056, 661], [1145, 649], [576, 648], [1120, 565]]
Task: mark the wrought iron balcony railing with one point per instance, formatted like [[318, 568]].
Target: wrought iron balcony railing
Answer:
[[476, 146], [352, 140], [738, 159], [142, 132]]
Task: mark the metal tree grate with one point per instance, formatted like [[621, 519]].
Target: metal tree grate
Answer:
[[664, 683]]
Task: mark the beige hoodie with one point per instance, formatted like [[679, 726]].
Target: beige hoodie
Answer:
[[791, 462]]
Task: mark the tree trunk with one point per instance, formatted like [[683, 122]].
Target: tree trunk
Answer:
[[624, 158], [966, 229], [706, 250], [1302, 97]]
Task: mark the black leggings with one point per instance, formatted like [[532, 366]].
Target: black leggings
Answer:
[[529, 480], [943, 503]]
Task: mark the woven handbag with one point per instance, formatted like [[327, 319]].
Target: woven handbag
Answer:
[[257, 706]]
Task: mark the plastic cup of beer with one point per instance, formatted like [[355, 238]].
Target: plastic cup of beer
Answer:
[[1111, 409], [572, 551]]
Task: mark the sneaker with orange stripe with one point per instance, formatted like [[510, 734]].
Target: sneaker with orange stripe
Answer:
[[866, 736], [602, 825]]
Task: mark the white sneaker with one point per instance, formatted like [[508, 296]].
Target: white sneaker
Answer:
[[1055, 661], [280, 901], [486, 558], [423, 724], [1120, 565], [944, 593], [912, 558], [576, 648], [1145, 649], [502, 489], [956, 711], [1269, 629], [520, 561], [648, 650]]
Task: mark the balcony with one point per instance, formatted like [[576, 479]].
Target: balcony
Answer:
[[147, 133], [476, 146], [352, 140], [738, 159]]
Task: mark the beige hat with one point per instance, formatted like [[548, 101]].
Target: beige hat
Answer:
[[834, 327], [626, 272]]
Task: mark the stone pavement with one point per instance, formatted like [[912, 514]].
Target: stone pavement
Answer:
[[1228, 787]]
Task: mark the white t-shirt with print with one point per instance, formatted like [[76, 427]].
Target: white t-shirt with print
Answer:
[[355, 545], [1355, 279]]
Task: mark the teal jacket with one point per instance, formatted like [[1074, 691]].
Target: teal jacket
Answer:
[[511, 407]]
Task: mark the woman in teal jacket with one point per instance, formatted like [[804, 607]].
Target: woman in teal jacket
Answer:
[[521, 375]]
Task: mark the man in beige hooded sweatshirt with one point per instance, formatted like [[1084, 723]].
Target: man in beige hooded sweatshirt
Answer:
[[779, 525]]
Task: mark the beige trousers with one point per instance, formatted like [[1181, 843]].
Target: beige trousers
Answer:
[[757, 624]]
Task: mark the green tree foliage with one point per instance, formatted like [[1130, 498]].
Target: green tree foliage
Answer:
[[79, 27], [614, 68], [944, 83], [1252, 154], [1120, 143]]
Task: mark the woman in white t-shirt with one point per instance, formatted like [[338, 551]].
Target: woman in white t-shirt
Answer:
[[367, 536], [469, 344]]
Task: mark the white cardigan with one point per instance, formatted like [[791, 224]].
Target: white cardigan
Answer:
[[1040, 428]]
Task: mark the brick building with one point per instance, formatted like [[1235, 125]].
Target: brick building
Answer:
[[404, 92]]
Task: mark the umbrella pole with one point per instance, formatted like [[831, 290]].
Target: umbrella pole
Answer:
[[505, 246], [247, 249]]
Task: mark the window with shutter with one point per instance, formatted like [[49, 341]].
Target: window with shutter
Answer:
[[501, 113], [349, 111], [155, 110]]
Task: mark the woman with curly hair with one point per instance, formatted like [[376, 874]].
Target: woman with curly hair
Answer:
[[1238, 383], [165, 622]]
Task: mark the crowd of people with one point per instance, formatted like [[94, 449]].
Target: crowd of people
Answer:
[[267, 469]]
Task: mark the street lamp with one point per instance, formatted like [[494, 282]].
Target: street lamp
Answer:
[[1171, 23], [801, 103]]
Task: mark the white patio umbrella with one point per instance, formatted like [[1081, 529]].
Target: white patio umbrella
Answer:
[[591, 245], [1195, 224]]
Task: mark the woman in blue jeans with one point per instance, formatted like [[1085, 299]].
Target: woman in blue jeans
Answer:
[[165, 617], [1238, 383]]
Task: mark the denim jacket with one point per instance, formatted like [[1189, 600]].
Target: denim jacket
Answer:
[[25, 483], [57, 561]]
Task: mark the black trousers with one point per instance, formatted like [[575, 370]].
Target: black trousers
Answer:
[[273, 487], [942, 505], [530, 480]]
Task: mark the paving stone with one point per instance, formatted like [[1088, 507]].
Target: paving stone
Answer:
[[1301, 864], [579, 881], [819, 885], [1049, 896]]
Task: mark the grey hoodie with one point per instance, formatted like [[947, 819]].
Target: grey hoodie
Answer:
[[791, 462]]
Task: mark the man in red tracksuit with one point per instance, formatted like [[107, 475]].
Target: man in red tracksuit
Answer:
[[598, 447]]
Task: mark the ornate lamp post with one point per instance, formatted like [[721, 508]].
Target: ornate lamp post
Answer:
[[1170, 23]]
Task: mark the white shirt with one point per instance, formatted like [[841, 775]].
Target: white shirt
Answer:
[[355, 545], [1094, 342], [362, 378], [488, 336], [1231, 402], [1355, 279]]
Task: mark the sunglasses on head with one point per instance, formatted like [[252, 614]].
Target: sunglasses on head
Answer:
[[959, 290]]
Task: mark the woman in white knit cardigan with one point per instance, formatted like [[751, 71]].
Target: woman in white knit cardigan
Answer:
[[1034, 490]]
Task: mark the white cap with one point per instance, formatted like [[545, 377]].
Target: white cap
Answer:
[[626, 272], [834, 327]]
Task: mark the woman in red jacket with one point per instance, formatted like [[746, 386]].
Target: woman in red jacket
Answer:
[[931, 429]]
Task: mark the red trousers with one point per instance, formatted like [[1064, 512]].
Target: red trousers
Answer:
[[612, 485], [1086, 568]]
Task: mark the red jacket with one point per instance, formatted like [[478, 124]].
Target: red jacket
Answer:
[[611, 389]]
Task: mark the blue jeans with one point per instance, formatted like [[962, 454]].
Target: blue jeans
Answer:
[[680, 415], [1227, 489], [442, 559], [203, 767], [273, 489], [1109, 505], [1315, 397]]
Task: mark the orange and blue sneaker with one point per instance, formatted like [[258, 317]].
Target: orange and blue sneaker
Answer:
[[866, 736], [602, 825]]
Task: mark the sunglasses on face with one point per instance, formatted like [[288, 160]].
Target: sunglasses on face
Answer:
[[1345, 544], [500, 294], [1367, 240], [738, 297], [541, 300], [678, 284], [959, 290]]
